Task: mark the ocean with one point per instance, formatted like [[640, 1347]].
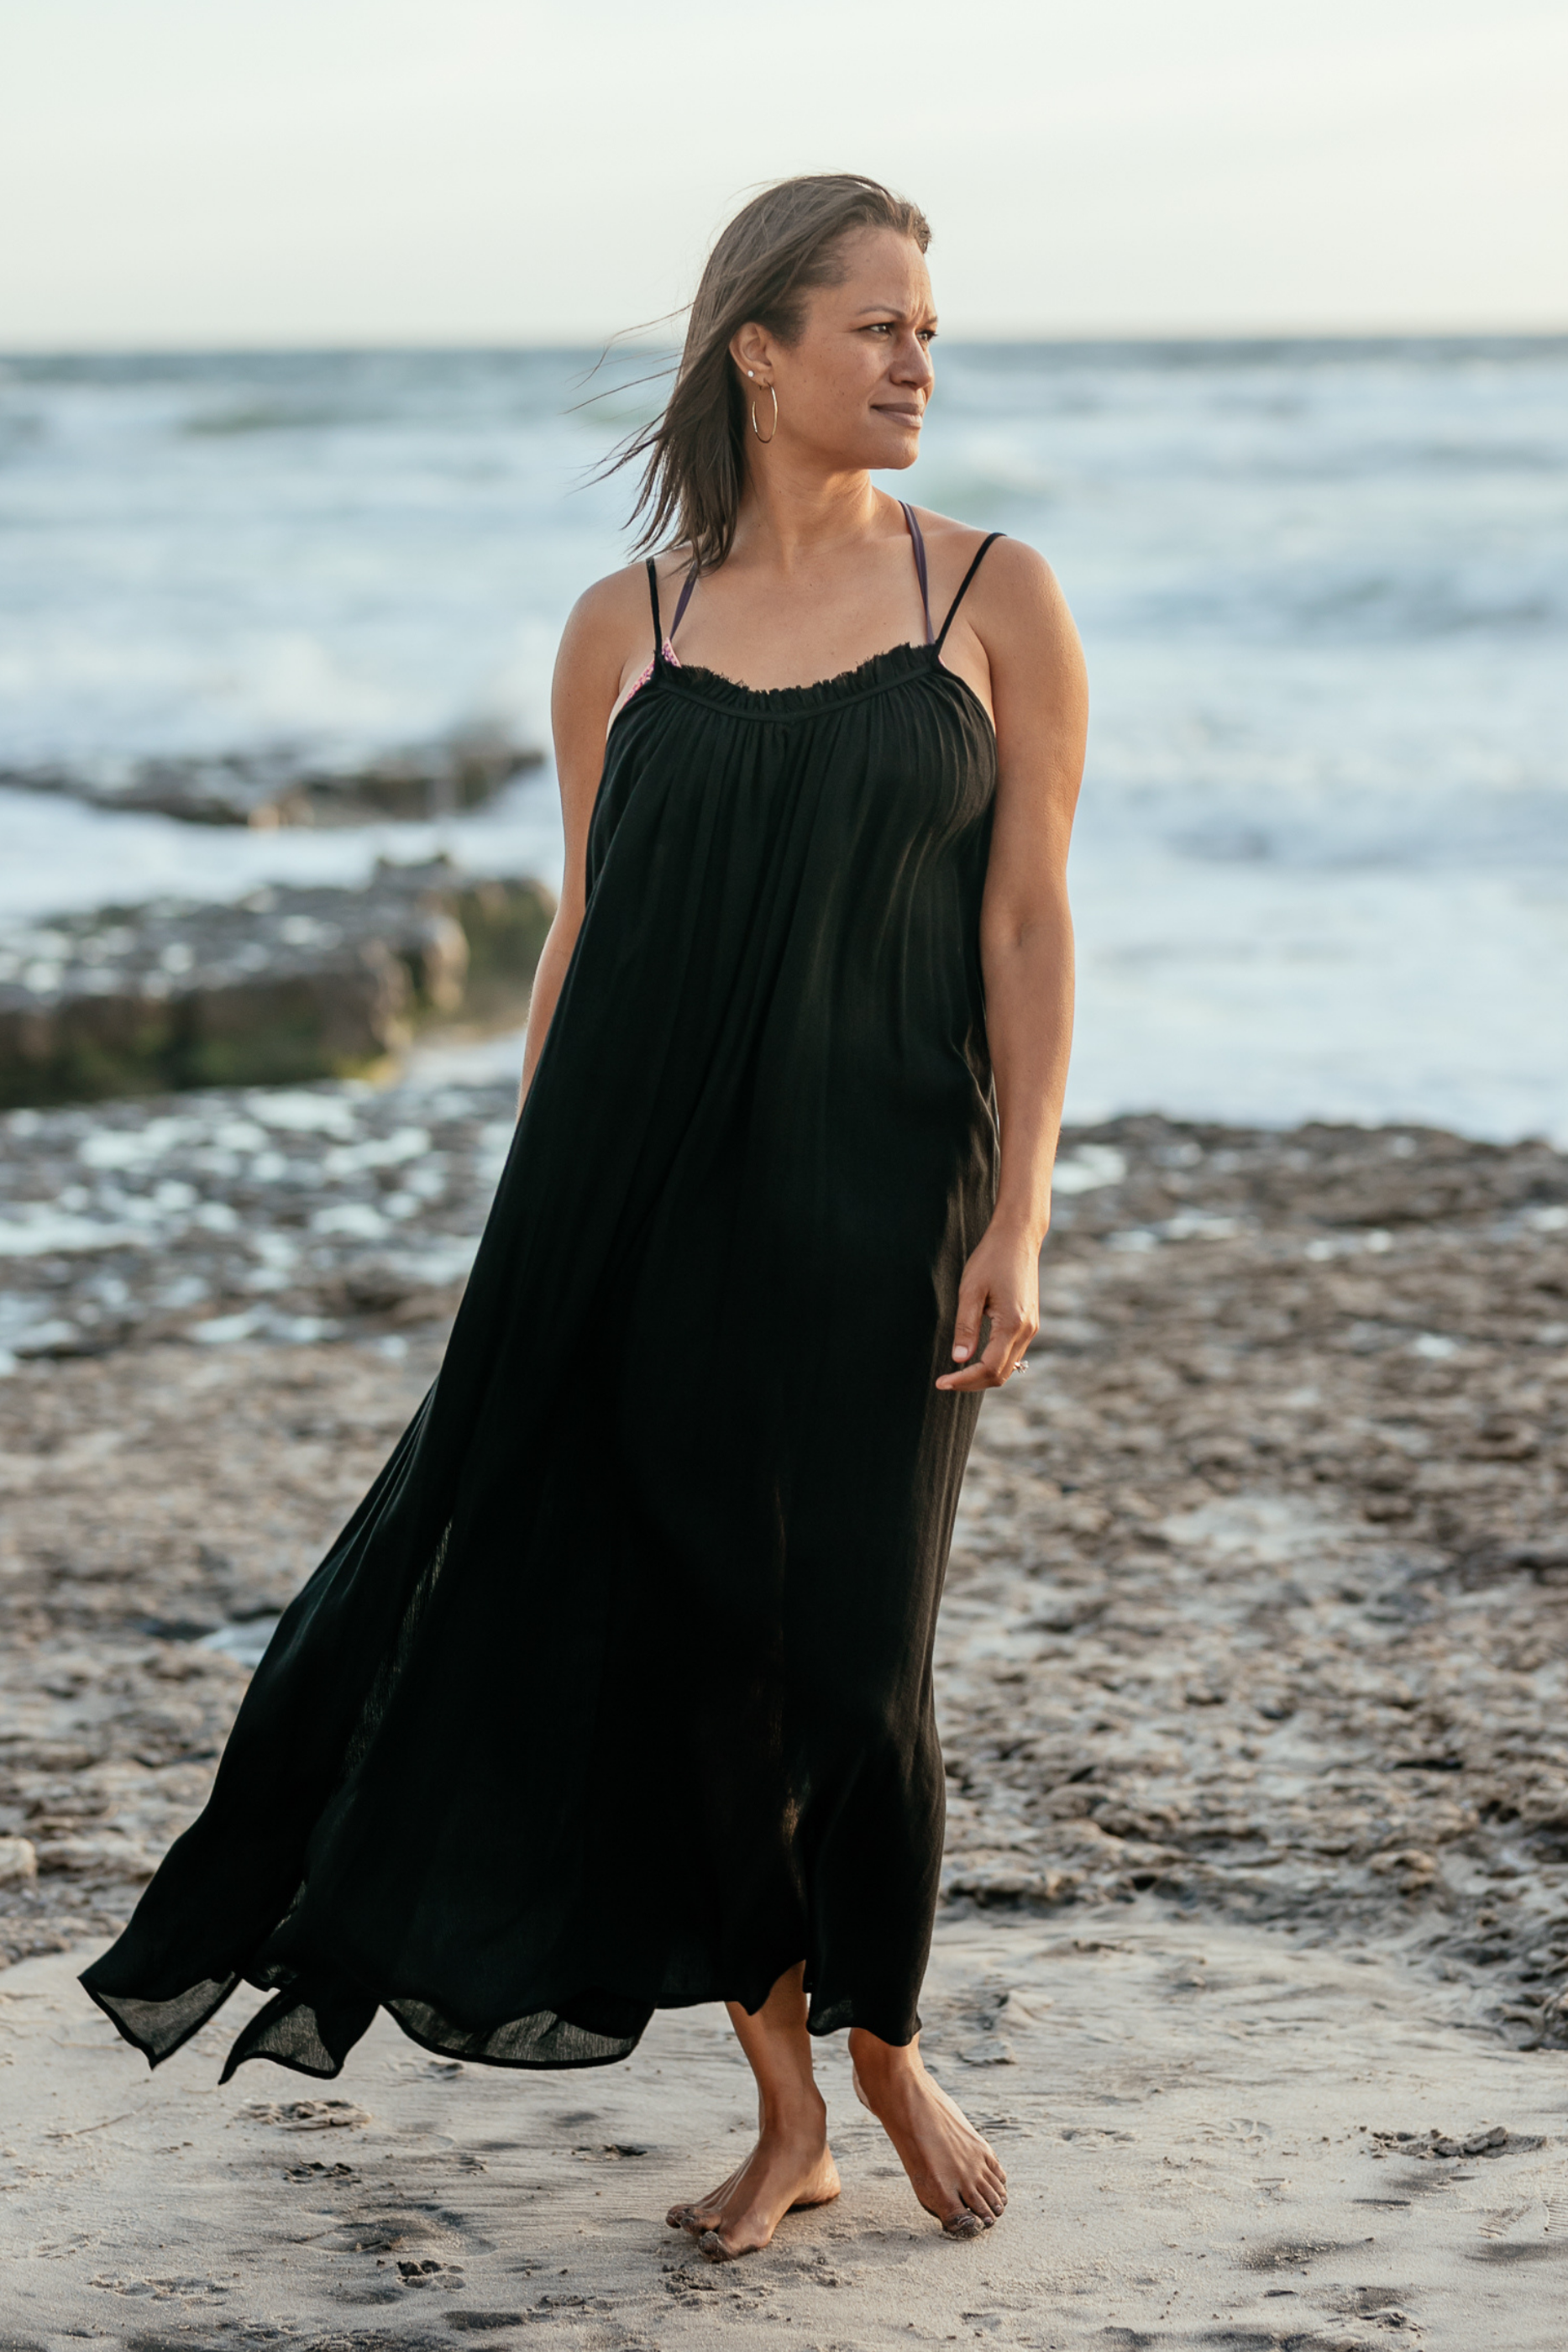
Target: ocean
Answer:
[[1322, 866]]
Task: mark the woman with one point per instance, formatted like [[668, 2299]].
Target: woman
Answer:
[[615, 1694]]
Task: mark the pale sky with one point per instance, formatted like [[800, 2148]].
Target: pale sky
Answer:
[[214, 173]]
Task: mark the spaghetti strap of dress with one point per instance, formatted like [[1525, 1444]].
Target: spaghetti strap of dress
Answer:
[[985, 545], [654, 598]]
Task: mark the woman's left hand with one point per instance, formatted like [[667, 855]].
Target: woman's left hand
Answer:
[[1001, 1281]]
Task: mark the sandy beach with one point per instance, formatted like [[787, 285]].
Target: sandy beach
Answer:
[[1212, 2139], [1250, 1682]]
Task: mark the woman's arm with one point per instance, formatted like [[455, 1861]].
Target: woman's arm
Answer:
[[597, 652], [1039, 695]]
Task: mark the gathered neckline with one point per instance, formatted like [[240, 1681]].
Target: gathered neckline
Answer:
[[865, 678], [874, 676]]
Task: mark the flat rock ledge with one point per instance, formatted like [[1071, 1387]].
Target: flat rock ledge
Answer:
[[283, 985], [1258, 1601], [267, 789]]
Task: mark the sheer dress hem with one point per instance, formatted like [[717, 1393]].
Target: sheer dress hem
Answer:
[[313, 2033]]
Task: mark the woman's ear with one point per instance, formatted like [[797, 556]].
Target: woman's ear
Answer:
[[751, 349]]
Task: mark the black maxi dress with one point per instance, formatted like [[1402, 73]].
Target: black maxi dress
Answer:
[[615, 1693]]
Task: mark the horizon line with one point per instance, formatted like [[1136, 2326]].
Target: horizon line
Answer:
[[1076, 337]]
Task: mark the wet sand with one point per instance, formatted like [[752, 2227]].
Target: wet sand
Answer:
[[1212, 2139]]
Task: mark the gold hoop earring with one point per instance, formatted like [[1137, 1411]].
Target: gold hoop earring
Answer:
[[766, 438]]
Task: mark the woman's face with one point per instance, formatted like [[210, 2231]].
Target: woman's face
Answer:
[[853, 389]]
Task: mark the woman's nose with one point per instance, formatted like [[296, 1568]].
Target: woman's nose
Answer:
[[913, 364]]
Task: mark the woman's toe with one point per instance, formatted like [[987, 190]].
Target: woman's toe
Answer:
[[714, 2249], [964, 2224]]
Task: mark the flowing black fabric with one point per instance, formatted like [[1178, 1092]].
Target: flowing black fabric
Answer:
[[615, 1693]]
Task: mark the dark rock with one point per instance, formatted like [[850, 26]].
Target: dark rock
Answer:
[[285, 985], [266, 789]]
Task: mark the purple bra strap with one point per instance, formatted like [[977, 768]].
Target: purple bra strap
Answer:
[[660, 639], [685, 598], [920, 567]]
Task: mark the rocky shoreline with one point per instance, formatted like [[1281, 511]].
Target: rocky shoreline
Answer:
[[282, 985], [289, 1215], [1259, 1602], [290, 787]]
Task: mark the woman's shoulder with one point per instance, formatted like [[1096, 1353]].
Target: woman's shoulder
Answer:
[[1013, 603], [614, 598], [619, 605], [955, 544]]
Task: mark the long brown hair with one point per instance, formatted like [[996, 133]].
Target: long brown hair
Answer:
[[777, 248]]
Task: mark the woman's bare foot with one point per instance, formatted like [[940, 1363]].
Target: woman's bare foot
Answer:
[[707, 2212], [791, 2166], [791, 2163], [704, 2211], [952, 2170]]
